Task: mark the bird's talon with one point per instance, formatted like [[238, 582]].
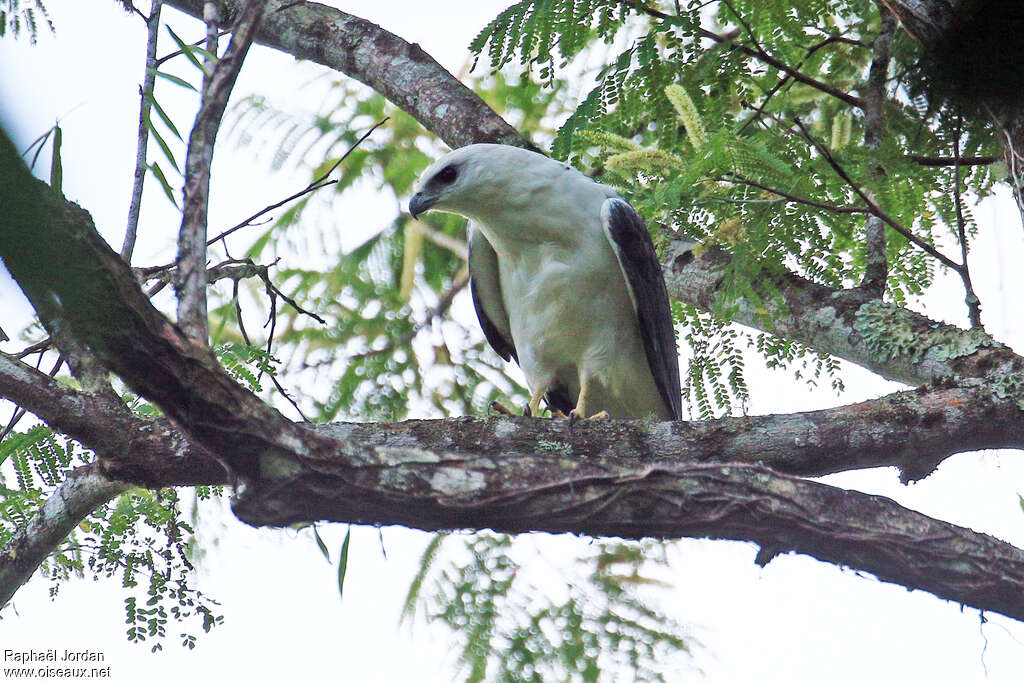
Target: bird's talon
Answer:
[[603, 415]]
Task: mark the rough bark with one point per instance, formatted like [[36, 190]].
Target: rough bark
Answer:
[[399, 70], [891, 341], [630, 479]]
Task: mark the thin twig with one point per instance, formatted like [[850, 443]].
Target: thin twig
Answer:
[[952, 161], [735, 178], [38, 347], [762, 55], [875, 208], [317, 184], [970, 298], [146, 95], [177, 53], [190, 284]]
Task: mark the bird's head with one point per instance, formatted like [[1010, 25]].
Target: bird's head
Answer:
[[474, 180]]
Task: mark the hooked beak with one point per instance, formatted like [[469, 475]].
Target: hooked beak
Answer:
[[420, 202]]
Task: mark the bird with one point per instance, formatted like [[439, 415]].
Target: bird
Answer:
[[564, 279]]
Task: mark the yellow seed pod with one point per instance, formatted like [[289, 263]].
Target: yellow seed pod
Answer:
[[410, 257]]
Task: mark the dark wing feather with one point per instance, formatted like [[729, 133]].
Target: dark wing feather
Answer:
[[632, 244], [485, 287]]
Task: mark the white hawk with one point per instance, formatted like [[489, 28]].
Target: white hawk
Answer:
[[564, 279]]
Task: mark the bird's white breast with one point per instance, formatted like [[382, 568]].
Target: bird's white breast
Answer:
[[568, 303]]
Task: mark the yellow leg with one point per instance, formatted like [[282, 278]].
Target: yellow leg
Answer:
[[580, 411], [535, 400]]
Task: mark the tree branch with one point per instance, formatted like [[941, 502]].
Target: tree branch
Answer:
[[876, 267], [894, 342], [146, 97], [83, 491], [191, 273], [631, 479]]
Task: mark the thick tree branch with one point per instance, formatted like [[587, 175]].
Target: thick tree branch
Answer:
[[400, 71], [893, 342], [631, 479], [191, 272], [739, 502], [143, 450]]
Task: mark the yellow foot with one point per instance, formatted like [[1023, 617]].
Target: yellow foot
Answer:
[[574, 417]]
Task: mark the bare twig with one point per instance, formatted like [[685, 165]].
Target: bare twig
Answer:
[[317, 184], [190, 283], [970, 298], [171, 55], [146, 96], [950, 161]]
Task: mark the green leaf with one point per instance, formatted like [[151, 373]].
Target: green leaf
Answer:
[[176, 80], [56, 168], [320, 544], [188, 50], [162, 179], [164, 117], [164, 147], [343, 562]]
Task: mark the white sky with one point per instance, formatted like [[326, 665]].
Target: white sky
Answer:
[[796, 620]]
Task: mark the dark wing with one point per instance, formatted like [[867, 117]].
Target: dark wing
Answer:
[[632, 244], [485, 287]]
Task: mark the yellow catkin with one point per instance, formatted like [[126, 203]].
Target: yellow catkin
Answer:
[[731, 231], [410, 257], [687, 112], [607, 140], [643, 160]]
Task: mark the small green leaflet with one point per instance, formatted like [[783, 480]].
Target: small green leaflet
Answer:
[[56, 169], [320, 544], [343, 562]]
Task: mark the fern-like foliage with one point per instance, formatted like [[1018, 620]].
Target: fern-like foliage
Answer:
[[24, 18], [596, 622], [143, 537]]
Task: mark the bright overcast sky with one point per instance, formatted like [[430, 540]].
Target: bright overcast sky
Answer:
[[795, 620]]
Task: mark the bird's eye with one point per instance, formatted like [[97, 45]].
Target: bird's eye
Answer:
[[447, 175]]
